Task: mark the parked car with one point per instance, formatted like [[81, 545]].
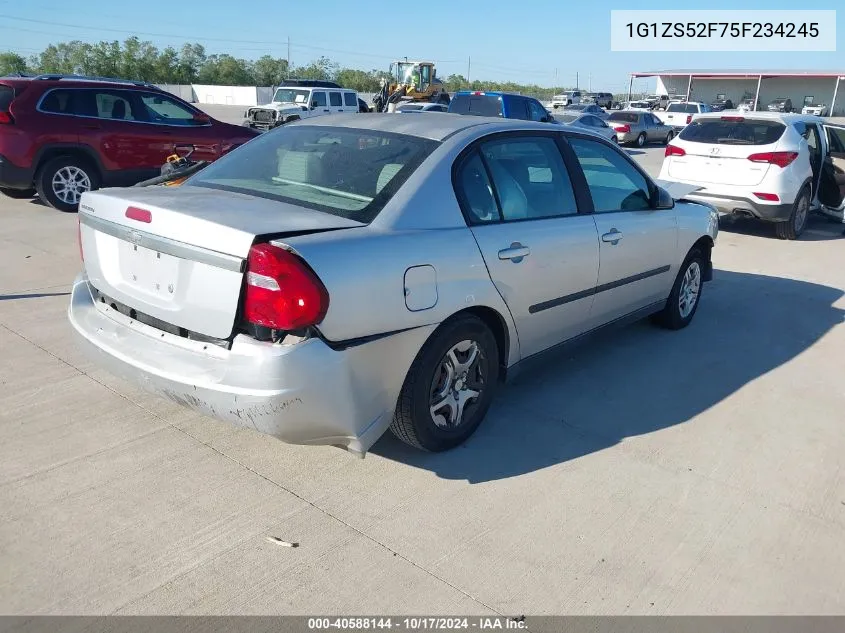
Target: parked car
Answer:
[[422, 107], [586, 108], [781, 104], [299, 99], [62, 135], [747, 105], [657, 102], [679, 115], [263, 290], [601, 99], [770, 166], [589, 122], [567, 98], [499, 104], [721, 104], [816, 109], [637, 105], [639, 127]]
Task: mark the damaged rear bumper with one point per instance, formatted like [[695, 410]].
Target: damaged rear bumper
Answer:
[[303, 392]]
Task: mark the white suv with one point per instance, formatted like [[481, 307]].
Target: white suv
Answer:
[[567, 98], [771, 166], [301, 100]]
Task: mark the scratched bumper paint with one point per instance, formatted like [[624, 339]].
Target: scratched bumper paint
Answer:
[[302, 393]]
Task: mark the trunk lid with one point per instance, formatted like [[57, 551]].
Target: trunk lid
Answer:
[[717, 151], [181, 260]]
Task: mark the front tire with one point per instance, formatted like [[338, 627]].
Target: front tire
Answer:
[[792, 228], [62, 181], [683, 301], [449, 386], [18, 194]]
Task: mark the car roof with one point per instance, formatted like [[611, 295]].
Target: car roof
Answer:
[[783, 117], [52, 81], [437, 128]]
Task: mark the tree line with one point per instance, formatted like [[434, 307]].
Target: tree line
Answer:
[[191, 64]]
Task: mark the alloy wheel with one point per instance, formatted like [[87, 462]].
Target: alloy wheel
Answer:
[[690, 288], [69, 183], [458, 384]]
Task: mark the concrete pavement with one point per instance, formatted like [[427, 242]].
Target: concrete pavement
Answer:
[[651, 472]]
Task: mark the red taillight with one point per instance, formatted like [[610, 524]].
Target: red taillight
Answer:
[[736, 119], [622, 128], [478, 93], [781, 159], [282, 293], [140, 215], [674, 150], [5, 117], [689, 119], [771, 197]]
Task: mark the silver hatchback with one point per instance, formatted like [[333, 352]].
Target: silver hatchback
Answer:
[[338, 277]]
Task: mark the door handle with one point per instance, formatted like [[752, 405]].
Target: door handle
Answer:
[[325, 110], [613, 236], [515, 252]]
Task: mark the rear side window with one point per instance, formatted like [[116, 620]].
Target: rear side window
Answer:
[[60, 102], [722, 132], [350, 99], [335, 99], [6, 96], [477, 105], [344, 172]]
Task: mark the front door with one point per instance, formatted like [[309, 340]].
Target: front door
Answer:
[[637, 262], [319, 103], [832, 184], [542, 255], [177, 129]]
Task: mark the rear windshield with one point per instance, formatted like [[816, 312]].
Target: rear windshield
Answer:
[[627, 117], [687, 108], [745, 132], [342, 171], [6, 95], [478, 105]]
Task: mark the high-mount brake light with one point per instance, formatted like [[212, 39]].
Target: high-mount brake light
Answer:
[[139, 215]]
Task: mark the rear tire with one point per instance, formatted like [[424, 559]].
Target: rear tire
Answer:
[[669, 137], [436, 410], [61, 181], [792, 228], [641, 140], [18, 194], [683, 301]]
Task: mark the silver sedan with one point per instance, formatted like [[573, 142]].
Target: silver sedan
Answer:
[[343, 275], [588, 122]]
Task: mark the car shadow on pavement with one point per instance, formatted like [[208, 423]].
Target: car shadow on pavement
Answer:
[[819, 228], [639, 379]]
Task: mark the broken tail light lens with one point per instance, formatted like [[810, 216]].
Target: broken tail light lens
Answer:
[[282, 293]]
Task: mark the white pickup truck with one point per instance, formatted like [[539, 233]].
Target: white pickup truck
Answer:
[[678, 115]]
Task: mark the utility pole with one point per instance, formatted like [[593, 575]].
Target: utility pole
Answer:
[[469, 67], [288, 73], [555, 86], [590, 84]]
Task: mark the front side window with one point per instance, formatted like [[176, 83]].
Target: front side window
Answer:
[[335, 99], [319, 99], [114, 105], [536, 111], [161, 109], [529, 178], [345, 172], [614, 183]]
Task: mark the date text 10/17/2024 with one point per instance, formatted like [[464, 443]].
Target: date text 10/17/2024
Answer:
[[416, 623]]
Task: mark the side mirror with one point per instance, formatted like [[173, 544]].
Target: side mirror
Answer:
[[313, 104], [664, 199]]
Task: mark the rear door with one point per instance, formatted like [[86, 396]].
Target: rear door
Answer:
[[832, 196], [335, 101], [638, 260], [350, 101], [718, 150], [541, 253]]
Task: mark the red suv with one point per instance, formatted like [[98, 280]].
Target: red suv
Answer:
[[62, 135]]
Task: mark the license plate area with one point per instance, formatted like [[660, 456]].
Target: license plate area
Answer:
[[149, 271]]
